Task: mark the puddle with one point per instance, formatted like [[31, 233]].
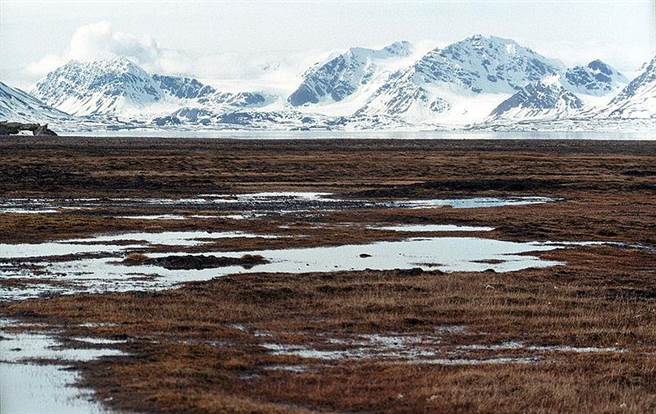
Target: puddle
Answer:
[[94, 274], [476, 202], [154, 217], [418, 228], [483, 361], [92, 264], [28, 387], [243, 216], [99, 341], [425, 348], [27, 211], [272, 196], [17, 347], [542, 348], [271, 202], [108, 243], [26, 206], [447, 254]]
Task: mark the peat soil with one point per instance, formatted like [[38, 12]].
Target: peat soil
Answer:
[[573, 338]]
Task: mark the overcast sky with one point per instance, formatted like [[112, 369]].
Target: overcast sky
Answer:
[[235, 39]]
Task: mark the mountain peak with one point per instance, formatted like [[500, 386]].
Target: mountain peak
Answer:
[[638, 98], [400, 48], [546, 98], [484, 64], [342, 75], [101, 86], [595, 78]]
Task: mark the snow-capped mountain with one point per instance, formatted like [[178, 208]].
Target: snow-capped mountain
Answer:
[[16, 105], [596, 78], [637, 99], [120, 88], [478, 65], [114, 86], [545, 99], [481, 81], [343, 75]]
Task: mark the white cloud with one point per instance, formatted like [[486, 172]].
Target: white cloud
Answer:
[[100, 41], [45, 65], [230, 70]]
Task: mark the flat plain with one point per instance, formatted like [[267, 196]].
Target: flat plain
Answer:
[[578, 336]]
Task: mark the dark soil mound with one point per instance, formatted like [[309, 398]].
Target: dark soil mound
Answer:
[[194, 262]]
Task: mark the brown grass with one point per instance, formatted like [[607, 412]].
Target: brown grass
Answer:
[[200, 348]]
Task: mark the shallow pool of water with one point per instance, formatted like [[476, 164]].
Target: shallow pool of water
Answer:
[[28, 387], [269, 202], [108, 243], [447, 254], [476, 202]]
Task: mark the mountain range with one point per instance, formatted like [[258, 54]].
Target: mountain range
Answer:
[[478, 82]]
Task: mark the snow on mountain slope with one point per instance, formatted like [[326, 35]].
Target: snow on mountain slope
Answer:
[[474, 66], [119, 88], [16, 105], [485, 64], [345, 74], [545, 99], [114, 86], [596, 78], [637, 99]]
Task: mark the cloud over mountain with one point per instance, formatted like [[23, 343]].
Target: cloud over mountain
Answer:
[[100, 41]]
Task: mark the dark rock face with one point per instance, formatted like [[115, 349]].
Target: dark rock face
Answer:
[[239, 99], [344, 74], [596, 77], [12, 128], [329, 80], [44, 130], [167, 120], [304, 94], [181, 87]]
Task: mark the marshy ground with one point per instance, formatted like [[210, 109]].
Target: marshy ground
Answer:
[[578, 337]]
